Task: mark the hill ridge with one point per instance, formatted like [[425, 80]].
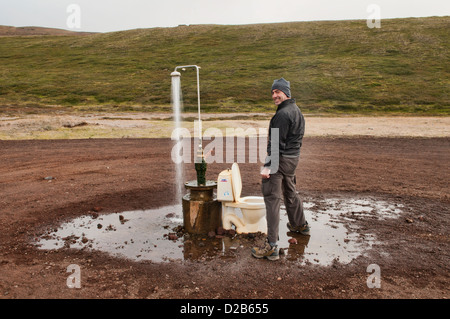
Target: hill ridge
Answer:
[[334, 67]]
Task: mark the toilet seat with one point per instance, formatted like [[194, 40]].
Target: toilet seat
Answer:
[[236, 182], [250, 202], [253, 208]]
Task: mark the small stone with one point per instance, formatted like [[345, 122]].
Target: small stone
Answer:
[[220, 231], [231, 232], [172, 236], [122, 219], [211, 234]]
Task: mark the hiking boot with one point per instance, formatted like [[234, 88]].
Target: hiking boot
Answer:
[[302, 229], [267, 251]]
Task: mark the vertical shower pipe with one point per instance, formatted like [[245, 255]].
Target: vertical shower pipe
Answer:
[[198, 98], [200, 163]]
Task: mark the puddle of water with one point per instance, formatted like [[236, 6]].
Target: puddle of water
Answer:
[[143, 234], [137, 235], [369, 208], [330, 239], [334, 236]]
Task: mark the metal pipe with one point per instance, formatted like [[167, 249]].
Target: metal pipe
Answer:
[[175, 73]]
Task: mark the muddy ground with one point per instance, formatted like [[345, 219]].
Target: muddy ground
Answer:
[[113, 175]]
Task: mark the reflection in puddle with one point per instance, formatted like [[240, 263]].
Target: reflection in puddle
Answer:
[[150, 235], [137, 235]]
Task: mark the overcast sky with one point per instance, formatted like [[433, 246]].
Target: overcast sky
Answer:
[[115, 15]]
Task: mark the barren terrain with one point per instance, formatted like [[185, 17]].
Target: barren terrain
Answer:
[[46, 182]]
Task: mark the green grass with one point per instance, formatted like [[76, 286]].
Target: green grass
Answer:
[[334, 67]]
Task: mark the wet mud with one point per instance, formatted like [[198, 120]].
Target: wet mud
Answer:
[[382, 201], [158, 235]]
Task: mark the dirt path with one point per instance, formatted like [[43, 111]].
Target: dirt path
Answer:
[[149, 125], [114, 175]]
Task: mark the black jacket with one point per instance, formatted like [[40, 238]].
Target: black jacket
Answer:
[[291, 125]]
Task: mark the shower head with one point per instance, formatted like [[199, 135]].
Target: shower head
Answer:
[[174, 74], [183, 67]]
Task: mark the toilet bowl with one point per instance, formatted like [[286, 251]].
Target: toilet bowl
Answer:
[[253, 209]]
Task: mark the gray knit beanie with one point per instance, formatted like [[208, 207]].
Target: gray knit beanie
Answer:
[[282, 85]]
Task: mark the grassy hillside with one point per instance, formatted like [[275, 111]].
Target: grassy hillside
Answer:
[[333, 66]]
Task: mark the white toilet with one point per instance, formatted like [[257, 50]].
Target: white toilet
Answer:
[[229, 187]]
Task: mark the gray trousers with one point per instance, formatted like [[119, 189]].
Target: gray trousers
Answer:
[[281, 185]]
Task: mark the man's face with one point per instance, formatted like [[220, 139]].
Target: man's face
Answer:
[[278, 97]]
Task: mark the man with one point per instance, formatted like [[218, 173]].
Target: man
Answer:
[[280, 181]]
